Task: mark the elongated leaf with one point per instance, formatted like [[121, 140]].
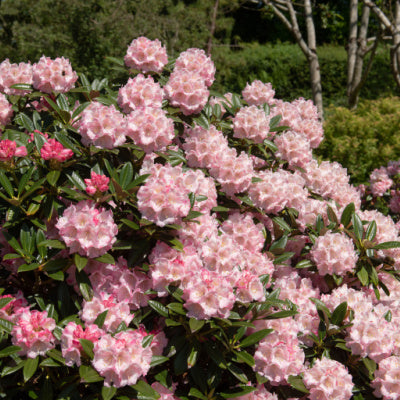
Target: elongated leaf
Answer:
[[197, 394], [76, 180], [23, 120], [30, 368], [387, 245], [195, 324], [339, 314], [357, 226], [245, 357], [6, 184], [126, 175], [5, 300], [238, 373], [99, 321], [21, 86], [10, 370], [321, 306], [145, 391], [52, 177], [9, 350], [157, 360], [362, 275], [108, 392], [56, 355], [297, 383], [255, 337], [87, 347], [346, 214], [106, 259], [157, 306], [304, 264], [238, 392], [131, 224], [89, 375], [371, 231], [80, 262], [55, 244]]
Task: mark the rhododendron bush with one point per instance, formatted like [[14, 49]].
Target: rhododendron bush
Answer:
[[163, 241]]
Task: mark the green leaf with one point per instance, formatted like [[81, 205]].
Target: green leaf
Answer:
[[197, 394], [79, 109], [272, 146], [146, 341], [157, 306], [371, 231], [131, 224], [62, 102], [195, 324], [279, 244], [370, 365], [362, 275], [321, 306], [76, 180], [126, 175], [87, 347], [145, 391], [24, 121], [108, 392], [176, 308], [357, 226], [192, 215], [238, 392], [22, 86], [6, 184], [245, 357], [24, 179], [193, 356], [30, 368], [202, 121], [238, 373], [55, 244], [10, 370], [80, 262], [5, 300], [106, 259], [220, 209], [297, 383], [157, 360], [255, 337], [138, 180], [56, 355], [49, 362], [339, 314], [278, 260], [9, 350], [282, 224], [89, 375], [99, 321], [304, 264], [85, 286], [387, 245], [346, 215], [52, 177]]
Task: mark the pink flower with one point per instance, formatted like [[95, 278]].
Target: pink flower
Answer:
[[146, 55], [140, 92], [117, 311], [86, 230], [150, 129], [53, 75], [70, 345], [260, 394], [187, 91], [259, 93], [53, 150], [380, 181], [11, 74], [6, 110], [197, 62], [12, 311], [329, 380], [164, 393], [121, 359], [9, 149], [102, 126], [96, 183], [387, 379], [251, 123], [33, 333], [334, 254]]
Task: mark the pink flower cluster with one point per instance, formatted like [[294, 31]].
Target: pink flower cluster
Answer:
[[53, 150], [329, 380], [33, 333], [11, 74], [14, 308], [87, 230], [53, 75], [140, 92], [258, 93], [380, 181], [387, 379], [97, 183], [102, 126], [6, 111], [150, 128], [9, 150], [251, 123], [334, 253], [146, 55], [121, 359]]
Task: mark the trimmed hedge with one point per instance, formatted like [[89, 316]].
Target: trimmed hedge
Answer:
[[363, 139]]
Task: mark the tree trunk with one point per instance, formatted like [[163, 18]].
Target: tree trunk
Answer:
[[212, 27]]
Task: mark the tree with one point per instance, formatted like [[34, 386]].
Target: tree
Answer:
[[286, 12]]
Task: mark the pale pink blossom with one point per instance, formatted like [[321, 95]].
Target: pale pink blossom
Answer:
[[117, 311], [165, 394], [334, 253], [146, 55], [197, 62], [33, 333], [96, 183], [387, 379], [53, 75], [294, 148], [87, 230], [11, 312], [394, 204], [140, 92], [329, 380], [102, 126], [187, 91], [6, 111], [53, 150], [121, 359], [258, 93], [150, 128], [70, 345], [312, 130], [306, 109], [380, 181], [11, 74], [260, 394], [9, 149], [251, 123]]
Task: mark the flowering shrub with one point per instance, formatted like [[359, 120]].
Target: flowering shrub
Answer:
[[160, 244]]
